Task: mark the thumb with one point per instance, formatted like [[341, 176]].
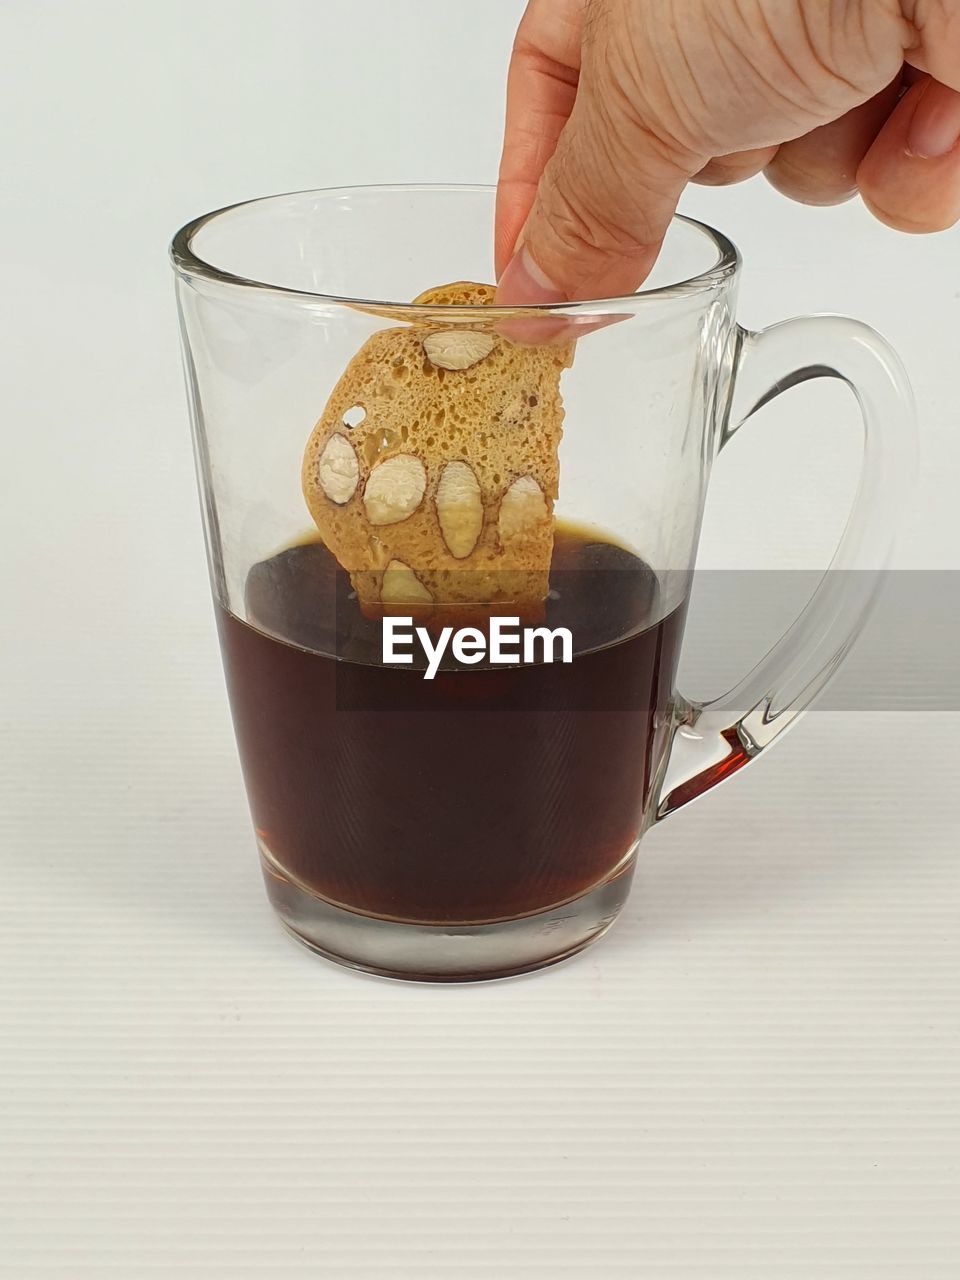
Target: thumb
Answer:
[[602, 208]]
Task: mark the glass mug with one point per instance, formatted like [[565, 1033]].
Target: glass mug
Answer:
[[485, 821]]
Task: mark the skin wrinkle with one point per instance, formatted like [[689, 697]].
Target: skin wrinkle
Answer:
[[594, 13], [531, 150], [861, 17], [917, 13], [692, 84], [757, 17], [536, 151], [842, 29], [772, 88], [673, 150], [725, 44], [828, 68], [589, 232], [619, 98], [541, 63], [623, 94], [936, 30], [560, 38], [592, 235], [626, 163], [697, 127], [640, 233], [807, 109], [722, 42], [543, 66], [715, 44], [724, 171], [870, 20]]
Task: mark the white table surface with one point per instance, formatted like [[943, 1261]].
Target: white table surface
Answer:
[[754, 1075]]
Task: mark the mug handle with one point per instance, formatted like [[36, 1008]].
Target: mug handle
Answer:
[[715, 739]]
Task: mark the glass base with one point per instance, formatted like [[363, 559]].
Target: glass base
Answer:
[[446, 953]]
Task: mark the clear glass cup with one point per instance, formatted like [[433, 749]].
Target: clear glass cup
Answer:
[[486, 821]]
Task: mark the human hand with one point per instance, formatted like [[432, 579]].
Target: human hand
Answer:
[[613, 106]]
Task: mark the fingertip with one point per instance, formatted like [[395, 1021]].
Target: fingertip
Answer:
[[503, 243], [911, 223], [910, 193], [819, 190], [513, 205], [820, 168], [525, 284], [934, 128]]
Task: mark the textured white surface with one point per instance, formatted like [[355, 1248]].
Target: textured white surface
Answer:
[[753, 1076]]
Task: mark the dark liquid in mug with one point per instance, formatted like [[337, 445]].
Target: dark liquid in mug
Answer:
[[483, 794]]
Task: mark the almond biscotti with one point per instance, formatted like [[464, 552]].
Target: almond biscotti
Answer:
[[433, 471]]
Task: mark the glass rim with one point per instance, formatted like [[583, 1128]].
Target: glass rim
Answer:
[[189, 264]]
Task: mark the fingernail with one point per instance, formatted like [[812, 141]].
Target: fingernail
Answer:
[[523, 284], [935, 128]]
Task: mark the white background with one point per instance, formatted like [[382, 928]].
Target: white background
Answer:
[[753, 1076]]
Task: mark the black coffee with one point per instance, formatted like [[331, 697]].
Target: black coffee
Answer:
[[485, 793]]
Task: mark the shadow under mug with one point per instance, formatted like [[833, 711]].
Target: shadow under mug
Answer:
[[485, 822]]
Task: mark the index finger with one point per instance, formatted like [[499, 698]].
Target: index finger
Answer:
[[541, 90]]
